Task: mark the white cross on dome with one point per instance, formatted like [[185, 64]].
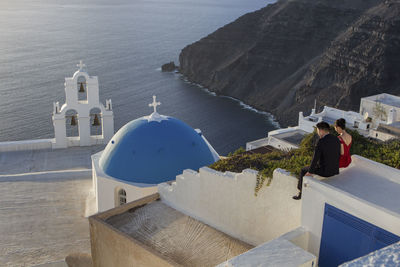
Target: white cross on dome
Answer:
[[155, 104]]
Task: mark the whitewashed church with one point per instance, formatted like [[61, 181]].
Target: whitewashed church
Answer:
[[144, 153]]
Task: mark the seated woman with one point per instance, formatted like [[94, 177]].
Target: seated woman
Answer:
[[345, 143]]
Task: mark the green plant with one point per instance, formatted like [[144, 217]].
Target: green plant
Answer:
[[293, 161], [240, 150]]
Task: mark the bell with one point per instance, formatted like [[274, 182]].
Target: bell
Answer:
[[73, 121], [96, 121], [81, 88]]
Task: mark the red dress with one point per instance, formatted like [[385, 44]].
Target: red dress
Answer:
[[345, 159]]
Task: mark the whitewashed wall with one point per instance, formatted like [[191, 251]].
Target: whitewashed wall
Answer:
[[26, 145], [368, 104], [257, 143], [305, 124], [272, 141], [106, 188], [380, 135], [349, 116], [352, 118], [283, 130], [282, 251], [281, 144], [226, 201]]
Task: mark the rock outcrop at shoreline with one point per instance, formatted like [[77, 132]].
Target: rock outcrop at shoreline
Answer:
[[284, 56], [168, 67]]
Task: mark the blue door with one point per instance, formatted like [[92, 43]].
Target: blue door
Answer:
[[345, 237]]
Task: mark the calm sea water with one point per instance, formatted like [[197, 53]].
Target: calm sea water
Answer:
[[124, 43]]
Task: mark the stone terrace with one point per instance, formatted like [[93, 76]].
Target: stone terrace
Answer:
[[43, 196]]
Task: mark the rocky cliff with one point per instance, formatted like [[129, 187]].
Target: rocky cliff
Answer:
[[284, 56]]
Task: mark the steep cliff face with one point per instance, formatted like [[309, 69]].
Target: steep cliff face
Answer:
[[364, 60], [284, 56]]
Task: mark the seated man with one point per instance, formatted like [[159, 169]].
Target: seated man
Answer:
[[326, 157]]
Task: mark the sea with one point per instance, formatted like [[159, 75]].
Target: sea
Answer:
[[124, 43]]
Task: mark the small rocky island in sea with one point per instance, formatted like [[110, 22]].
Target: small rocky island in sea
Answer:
[[169, 67]]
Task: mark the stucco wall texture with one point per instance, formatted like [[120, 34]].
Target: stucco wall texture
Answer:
[[227, 202]]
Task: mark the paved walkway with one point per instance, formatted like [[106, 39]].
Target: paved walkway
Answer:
[[43, 197], [17, 162]]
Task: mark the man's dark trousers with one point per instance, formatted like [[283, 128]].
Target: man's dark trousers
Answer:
[[302, 173]]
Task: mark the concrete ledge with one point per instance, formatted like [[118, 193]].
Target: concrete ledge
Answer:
[[47, 175], [282, 251], [26, 145], [53, 264]]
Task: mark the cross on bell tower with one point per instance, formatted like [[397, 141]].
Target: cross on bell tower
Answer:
[[155, 104], [81, 65]]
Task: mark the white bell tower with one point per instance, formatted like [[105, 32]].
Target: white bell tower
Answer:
[[82, 120]]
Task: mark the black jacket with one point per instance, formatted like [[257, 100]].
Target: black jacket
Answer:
[[325, 161]]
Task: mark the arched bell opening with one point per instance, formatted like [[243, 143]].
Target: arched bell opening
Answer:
[[96, 122], [72, 123], [82, 89]]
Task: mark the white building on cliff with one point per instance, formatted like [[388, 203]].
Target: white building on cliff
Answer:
[[379, 118], [384, 111]]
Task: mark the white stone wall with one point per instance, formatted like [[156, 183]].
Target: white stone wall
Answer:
[[106, 188], [316, 193], [26, 145], [369, 103], [274, 142], [282, 251], [284, 130], [257, 143], [281, 144], [380, 135], [226, 201], [368, 106], [306, 124], [349, 116], [353, 119]]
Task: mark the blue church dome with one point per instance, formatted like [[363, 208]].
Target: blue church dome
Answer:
[[152, 151]]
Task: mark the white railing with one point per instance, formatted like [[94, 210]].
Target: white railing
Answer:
[[26, 145], [257, 143]]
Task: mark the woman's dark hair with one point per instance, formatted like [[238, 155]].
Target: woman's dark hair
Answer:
[[341, 123], [323, 126]]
